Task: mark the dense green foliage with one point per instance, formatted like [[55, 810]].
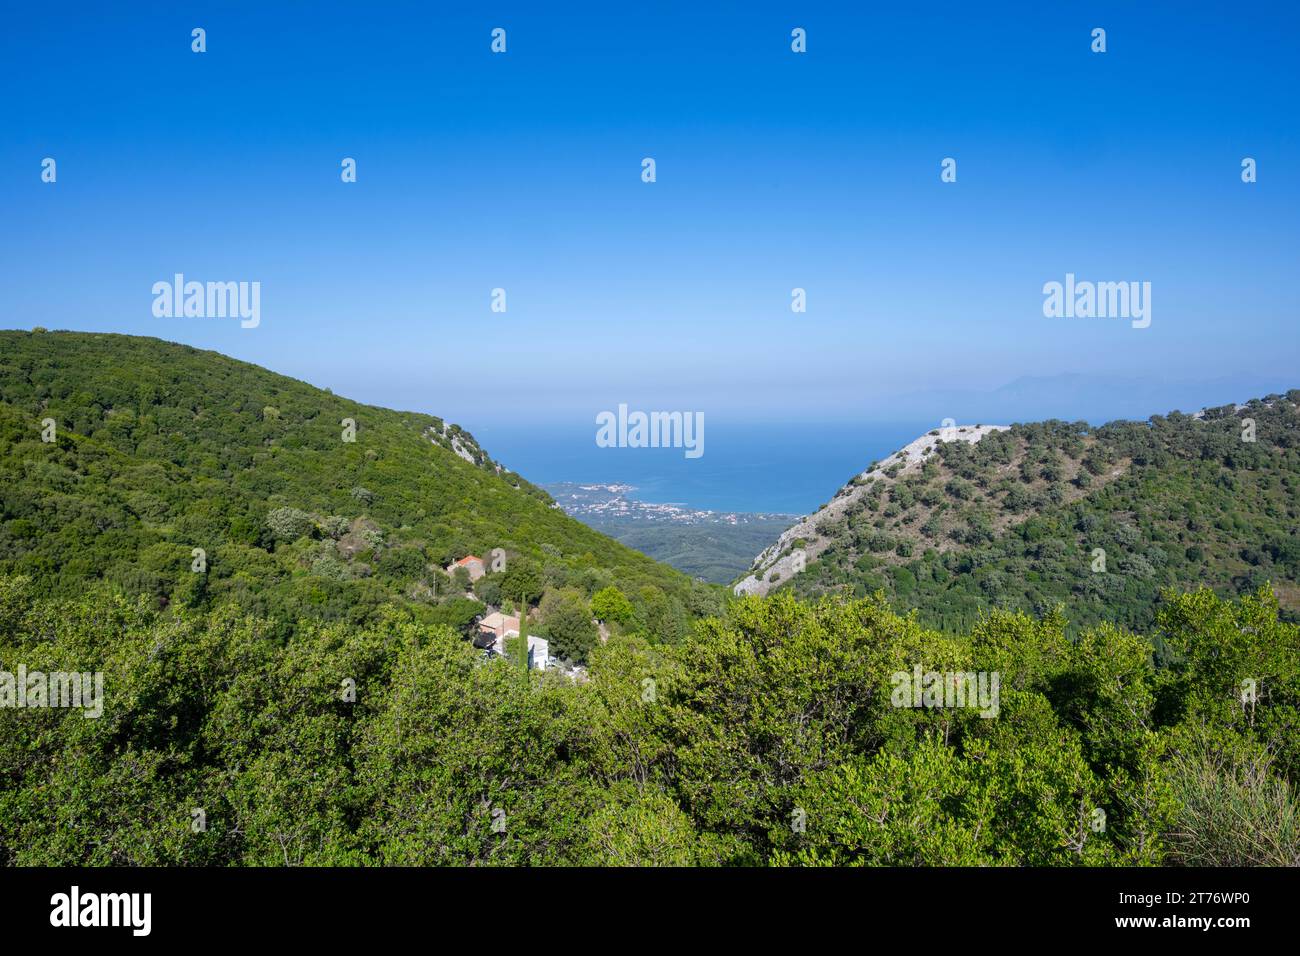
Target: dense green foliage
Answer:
[[768, 735], [305, 690], [163, 449], [712, 551], [566, 617], [1016, 521]]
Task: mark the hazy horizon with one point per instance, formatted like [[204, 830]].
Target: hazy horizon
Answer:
[[775, 171], [793, 465]]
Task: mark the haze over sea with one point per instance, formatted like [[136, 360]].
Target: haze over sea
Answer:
[[793, 467], [788, 468]]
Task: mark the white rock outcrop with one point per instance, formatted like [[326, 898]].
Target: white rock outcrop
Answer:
[[781, 560]]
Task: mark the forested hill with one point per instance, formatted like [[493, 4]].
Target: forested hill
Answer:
[[349, 722], [1098, 519], [161, 449]]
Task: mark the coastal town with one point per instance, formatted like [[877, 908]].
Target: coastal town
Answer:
[[615, 501]]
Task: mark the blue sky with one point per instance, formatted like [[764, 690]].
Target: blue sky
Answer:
[[775, 170]]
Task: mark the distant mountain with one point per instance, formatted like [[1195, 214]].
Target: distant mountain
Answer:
[[1030, 516], [712, 545], [298, 503]]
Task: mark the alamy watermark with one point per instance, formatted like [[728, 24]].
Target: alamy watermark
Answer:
[[651, 430], [1084, 299], [36, 689], [949, 689], [130, 910], [208, 300]]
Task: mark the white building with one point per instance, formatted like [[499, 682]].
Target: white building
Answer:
[[539, 650]]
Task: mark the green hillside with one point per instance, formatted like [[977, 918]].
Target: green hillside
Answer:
[[162, 449], [1020, 519], [310, 697], [713, 552]]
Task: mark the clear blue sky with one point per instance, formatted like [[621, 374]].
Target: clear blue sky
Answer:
[[775, 170]]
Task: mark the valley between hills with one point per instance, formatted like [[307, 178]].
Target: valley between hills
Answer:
[[299, 609]]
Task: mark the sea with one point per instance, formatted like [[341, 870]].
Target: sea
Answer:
[[746, 467]]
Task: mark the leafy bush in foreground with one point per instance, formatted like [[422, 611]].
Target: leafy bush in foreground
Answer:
[[767, 735]]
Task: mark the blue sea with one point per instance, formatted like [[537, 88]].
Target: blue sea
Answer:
[[789, 468]]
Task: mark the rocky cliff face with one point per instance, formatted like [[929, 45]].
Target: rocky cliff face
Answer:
[[803, 541]]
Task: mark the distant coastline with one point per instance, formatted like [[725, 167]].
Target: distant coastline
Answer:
[[716, 546], [758, 469]]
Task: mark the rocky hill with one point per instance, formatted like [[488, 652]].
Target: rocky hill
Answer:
[[1029, 516]]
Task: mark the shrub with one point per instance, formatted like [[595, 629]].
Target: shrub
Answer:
[[611, 604], [1232, 812], [567, 619], [289, 524]]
